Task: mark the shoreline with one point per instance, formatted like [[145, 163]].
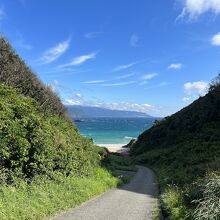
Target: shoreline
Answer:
[[114, 147]]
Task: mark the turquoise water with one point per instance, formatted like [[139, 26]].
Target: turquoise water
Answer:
[[113, 130]]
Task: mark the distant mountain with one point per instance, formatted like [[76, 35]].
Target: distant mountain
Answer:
[[78, 111]]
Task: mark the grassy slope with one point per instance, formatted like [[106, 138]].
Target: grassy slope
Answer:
[[184, 151], [43, 198]]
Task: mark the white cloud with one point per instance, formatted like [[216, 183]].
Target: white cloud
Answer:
[[94, 81], [99, 82], [119, 84], [55, 52], [149, 76], [123, 67], [195, 8], [216, 39], [80, 60], [199, 87], [175, 66], [134, 40], [145, 78], [195, 89]]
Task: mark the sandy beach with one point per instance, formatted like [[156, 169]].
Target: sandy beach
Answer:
[[114, 147]]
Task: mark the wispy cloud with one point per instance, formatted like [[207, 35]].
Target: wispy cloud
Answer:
[[124, 66], [94, 81], [134, 40], [125, 76], [149, 76], [93, 34], [145, 78], [55, 52], [194, 8], [80, 60], [175, 66], [215, 40], [119, 83], [100, 82]]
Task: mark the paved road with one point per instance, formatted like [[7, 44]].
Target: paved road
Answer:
[[133, 201]]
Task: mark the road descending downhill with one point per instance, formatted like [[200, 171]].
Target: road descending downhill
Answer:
[[133, 201]]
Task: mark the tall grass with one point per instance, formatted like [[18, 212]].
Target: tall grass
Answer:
[[172, 199], [208, 207], [43, 197]]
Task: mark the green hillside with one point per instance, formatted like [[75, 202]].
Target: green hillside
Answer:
[[45, 164], [184, 150], [15, 73]]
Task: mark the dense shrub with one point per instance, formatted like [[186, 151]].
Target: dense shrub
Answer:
[[33, 143], [15, 73]]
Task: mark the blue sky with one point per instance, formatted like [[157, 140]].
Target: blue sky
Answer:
[[153, 56]]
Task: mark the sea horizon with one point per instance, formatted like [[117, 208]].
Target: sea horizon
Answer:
[[113, 131]]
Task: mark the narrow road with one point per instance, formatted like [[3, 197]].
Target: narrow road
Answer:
[[133, 201]]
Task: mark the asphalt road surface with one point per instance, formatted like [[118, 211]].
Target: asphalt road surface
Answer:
[[133, 201]]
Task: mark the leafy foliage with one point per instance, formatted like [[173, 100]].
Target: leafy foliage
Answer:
[[15, 73], [34, 143], [114, 161]]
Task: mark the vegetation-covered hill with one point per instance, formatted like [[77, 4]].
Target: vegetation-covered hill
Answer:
[[45, 164], [15, 73], [184, 149], [36, 135], [199, 121]]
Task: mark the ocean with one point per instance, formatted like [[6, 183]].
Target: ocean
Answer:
[[113, 130]]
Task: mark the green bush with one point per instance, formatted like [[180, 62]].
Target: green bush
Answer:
[[114, 161], [33, 143]]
